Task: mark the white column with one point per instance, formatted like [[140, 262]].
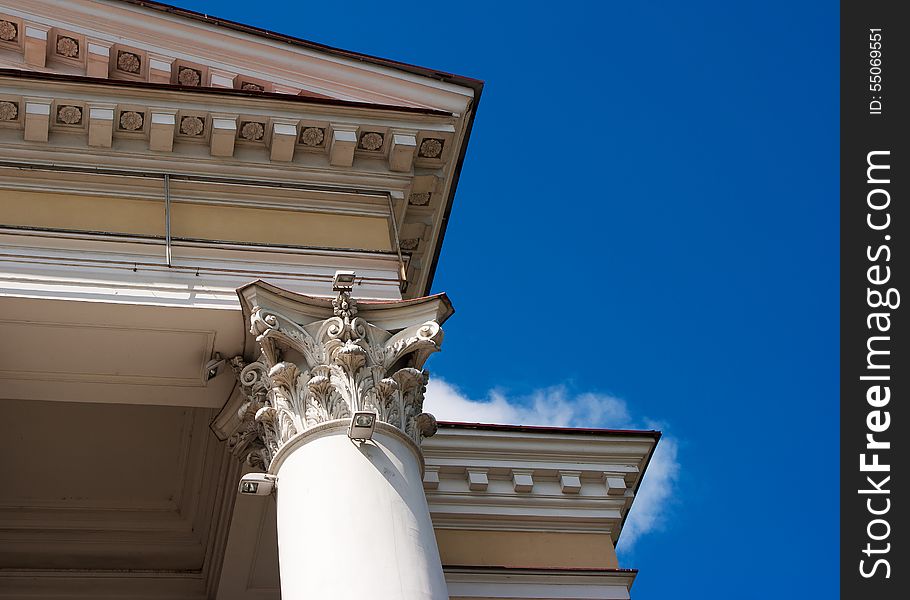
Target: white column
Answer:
[[353, 521]]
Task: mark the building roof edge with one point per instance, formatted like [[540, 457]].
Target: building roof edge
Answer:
[[469, 82], [550, 429]]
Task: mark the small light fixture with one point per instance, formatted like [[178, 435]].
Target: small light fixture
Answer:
[[257, 484], [343, 281], [362, 425], [212, 367]]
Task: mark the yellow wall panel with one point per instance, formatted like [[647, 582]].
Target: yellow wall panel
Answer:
[[194, 221], [526, 549], [267, 226], [81, 213]]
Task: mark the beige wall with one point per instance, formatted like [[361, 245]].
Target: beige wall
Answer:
[[197, 221], [526, 549]]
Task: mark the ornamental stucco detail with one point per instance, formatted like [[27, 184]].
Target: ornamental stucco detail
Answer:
[[189, 77], [67, 46], [252, 131], [9, 111], [9, 31], [307, 375], [371, 141], [131, 120], [128, 62], [430, 148], [69, 115], [312, 136], [192, 126]]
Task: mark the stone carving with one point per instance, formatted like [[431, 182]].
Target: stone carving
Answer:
[[371, 141], [69, 115], [189, 77], [9, 111], [128, 62], [9, 32], [191, 125], [251, 130], [252, 87], [312, 136], [419, 199], [131, 120], [410, 244], [307, 375], [67, 46], [430, 148]]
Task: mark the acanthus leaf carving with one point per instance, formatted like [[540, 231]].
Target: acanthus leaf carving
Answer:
[[327, 370]]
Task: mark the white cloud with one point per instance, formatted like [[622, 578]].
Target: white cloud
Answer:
[[649, 511], [555, 406]]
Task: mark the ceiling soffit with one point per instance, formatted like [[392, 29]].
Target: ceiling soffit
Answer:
[[112, 487]]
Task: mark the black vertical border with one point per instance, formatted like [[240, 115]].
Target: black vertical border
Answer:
[[863, 131]]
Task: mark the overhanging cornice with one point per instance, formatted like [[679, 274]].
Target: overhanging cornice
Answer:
[[518, 478], [475, 84], [278, 150], [228, 55], [71, 80]]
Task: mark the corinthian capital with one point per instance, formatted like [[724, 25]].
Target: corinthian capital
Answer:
[[316, 360]]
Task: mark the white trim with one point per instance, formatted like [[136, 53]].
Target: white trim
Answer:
[[99, 49], [284, 129], [105, 114], [162, 118], [159, 65], [221, 80], [35, 33], [534, 584], [38, 108], [229, 124]]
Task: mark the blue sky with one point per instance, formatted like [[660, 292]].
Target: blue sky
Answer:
[[648, 221]]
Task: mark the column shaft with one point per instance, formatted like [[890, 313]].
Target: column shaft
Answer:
[[353, 521]]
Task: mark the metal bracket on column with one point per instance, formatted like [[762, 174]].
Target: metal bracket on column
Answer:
[[167, 219], [402, 271]]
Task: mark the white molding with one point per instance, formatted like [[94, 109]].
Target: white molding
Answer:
[[36, 33], [33, 107], [522, 480], [83, 267], [159, 64], [534, 584], [101, 113], [535, 481], [99, 49]]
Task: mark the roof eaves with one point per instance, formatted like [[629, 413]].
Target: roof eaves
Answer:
[[470, 82], [549, 429]]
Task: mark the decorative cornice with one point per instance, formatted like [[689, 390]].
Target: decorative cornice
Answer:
[[493, 477], [488, 582], [311, 371]]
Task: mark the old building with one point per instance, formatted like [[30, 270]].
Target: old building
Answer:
[[177, 194]]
